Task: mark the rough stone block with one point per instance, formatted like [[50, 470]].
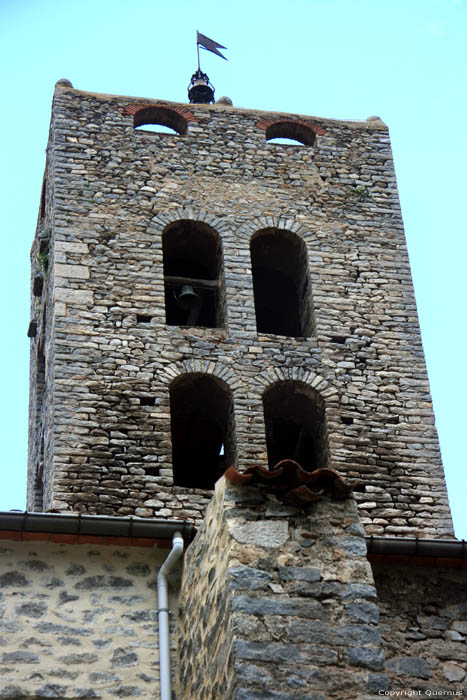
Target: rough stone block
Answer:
[[74, 296], [299, 573], [366, 657], [266, 533], [246, 577], [310, 609], [72, 271], [409, 666]]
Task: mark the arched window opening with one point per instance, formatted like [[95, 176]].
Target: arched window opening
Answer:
[[193, 273], [285, 142], [292, 131], [202, 425], [156, 129], [295, 425], [281, 283], [168, 120]]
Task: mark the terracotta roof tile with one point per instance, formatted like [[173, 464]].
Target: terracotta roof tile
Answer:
[[292, 484]]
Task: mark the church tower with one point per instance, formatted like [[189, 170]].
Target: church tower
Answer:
[[217, 291], [212, 296]]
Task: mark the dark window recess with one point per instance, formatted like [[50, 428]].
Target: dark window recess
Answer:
[[40, 392], [347, 420], [338, 339], [151, 471], [193, 275], [43, 256], [160, 116], [43, 200], [37, 285], [32, 329], [44, 247], [202, 425], [142, 318], [147, 400], [295, 425], [291, 131], [281, 284]]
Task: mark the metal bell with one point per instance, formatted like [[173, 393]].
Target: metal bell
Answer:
[[187, 297]]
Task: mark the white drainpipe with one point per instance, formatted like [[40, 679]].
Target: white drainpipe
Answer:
[[162, 604]]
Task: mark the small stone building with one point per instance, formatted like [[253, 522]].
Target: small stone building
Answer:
[[212, 297]]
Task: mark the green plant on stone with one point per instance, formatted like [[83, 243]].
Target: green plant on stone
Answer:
[[362, 192], [43, 261]]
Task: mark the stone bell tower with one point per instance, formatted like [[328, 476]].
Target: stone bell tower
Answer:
[[211, 296]]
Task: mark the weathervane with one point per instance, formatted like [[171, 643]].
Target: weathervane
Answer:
[[200, 90]]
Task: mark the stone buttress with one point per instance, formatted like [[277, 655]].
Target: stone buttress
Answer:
[[278, 603]]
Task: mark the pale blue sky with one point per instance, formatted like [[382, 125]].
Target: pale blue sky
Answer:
[[404, 60]]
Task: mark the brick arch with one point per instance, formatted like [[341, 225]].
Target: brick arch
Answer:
[[216, 369], [162, 116], [299, 129], [281, 223], [288, 378], [160, 222], [299, 374], [176, 117], [224, 226]]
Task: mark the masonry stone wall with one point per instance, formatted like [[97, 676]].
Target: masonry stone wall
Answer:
[[110, 193], [276, 603], [424, 627], [79, 620]]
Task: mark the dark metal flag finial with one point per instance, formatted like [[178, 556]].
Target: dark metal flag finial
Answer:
[[209, 45], [200, 90]]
